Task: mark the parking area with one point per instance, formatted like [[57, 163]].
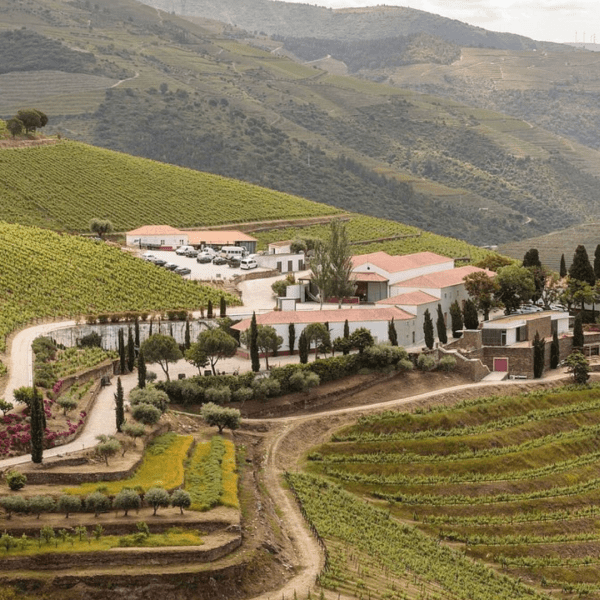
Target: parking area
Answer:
[[203, 271]]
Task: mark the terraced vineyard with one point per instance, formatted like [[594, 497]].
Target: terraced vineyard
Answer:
[[45, 274], [65, 185], [512, 480], [363, 229]]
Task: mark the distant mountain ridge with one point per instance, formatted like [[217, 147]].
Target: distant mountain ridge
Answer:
[[348, 24]]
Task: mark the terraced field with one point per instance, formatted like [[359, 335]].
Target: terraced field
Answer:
[[512, 480]]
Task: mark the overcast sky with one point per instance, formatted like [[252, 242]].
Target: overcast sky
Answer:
[[546, 20]]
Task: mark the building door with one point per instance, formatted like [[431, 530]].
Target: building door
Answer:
[[501, 364], [290, 266]]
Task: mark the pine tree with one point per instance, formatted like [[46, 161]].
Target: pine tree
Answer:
[[303, 348], [209, 310], [122, 357], [539, 350], [392, 333], [36, 411], [428, 329], [563, 267], [581, 269], [253, 341], [292, 337], [119, 405], [187, 339], [470, 315], [346, 336], [456, 319], [223, 308], [141, 364], [578, 331], [554, 351], [130, 351], [441, 326]]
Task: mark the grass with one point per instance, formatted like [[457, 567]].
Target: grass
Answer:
[[162, 466]]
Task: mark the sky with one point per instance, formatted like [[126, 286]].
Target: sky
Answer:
[[545, 20]]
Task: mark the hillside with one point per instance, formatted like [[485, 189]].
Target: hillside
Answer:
[[197, 96], [47, 275]]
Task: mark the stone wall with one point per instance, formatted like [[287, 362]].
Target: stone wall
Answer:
[[472, 367], [543, 325]]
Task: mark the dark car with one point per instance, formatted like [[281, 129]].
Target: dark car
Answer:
[[159, 262], [219, 260], [204, 258], [182, 271], [234, 263], [191, 253], [171, 266]]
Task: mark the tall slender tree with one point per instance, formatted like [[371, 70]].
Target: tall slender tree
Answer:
[[253, 341], [456, 319], [470, 315], [580, 268], [36, 411], [136, 330], [428, 329], [554, 351], [209, 310], [187, 338], [122, 356], [119, 405], [441, 326], [291, 337], [539, 350], [597, 262], [563, 267], [141, 365], [222, 308], [303, 348], [130, 351], [346, 337], [340, 260], [392, 333]]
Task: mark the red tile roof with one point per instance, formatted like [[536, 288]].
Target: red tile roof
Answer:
[[397, 264], [443, 279], [410, 298], [155, 230], [356, 315], [367, 277], [224, 238]]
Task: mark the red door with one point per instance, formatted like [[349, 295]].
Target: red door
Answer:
[[501, 364]]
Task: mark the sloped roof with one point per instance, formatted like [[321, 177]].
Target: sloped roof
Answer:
[[443, 279], [224, 238], [397, 264], [367, 277], [355, 315], [155, 230], [410, 299]]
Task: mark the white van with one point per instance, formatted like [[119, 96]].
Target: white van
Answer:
[[248, 263], [233, 252], [184, 250]]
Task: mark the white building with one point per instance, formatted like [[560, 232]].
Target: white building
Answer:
[[159, 237], [283, 262]]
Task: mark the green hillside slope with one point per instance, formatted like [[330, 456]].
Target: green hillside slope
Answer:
[[45, 274]]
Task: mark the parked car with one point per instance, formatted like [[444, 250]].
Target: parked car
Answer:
[[171, 266], [204, 258], [219, 260], [159, 262], [182, 271], [234, 263], [183, 249], [248, 263], [192, 253], [149, 256]]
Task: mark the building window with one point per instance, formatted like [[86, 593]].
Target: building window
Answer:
[[162, 242]]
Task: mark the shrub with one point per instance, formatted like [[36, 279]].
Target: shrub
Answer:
[[146, 414], [69, 504], [218, 416], [266, 388], [405, 365], [157, 497], [91, 340], [243, 394], [15, 480], [13, 504], [425, 362], [126, 500], [67, 403], [97, 502], [149, 395], [41, 504], [447, 363], [217, 395]]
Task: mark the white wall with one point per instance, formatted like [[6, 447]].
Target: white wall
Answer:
[[270, 261], [173, 241]]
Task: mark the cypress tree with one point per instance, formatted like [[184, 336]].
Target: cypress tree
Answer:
[[130, 351], [150, 330], [456, 318], [136, 330], [292, 337], [554, 351], [347, 337], [303, 348], [392, 333], [209, 310], [441, 326], [597, 262], [470, 315], [563, 267], [428, 329], [539, 349], [141, 363], [581, 269], [187, 339], [253, 343], [223, 308], [122, 357], [578, 331], [37, 427], [119, 405]]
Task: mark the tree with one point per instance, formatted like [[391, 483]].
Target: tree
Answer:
[[580, 268], [563, 267], [126, 500], [97, 502], [303, 348], [15, 480], [107, 447], [32, 119], [318, 334], [130, 351], [554, 351], [440, 325], [101, 227], [181, 499], [340, 262], [209, 310], [539, 350], [220, 416], [141, 365], [134, 430], [161, 349], [494, 262], [456, 319], [13, 504], [392, 333], [196, 356], [279, 288], [515, 286], [41, 504], [578, 339], [268, 341], [428, 329], [36, 414], [157, 497], [216, 344], [578, 366], [122, 356], [532, 258], [69, 504], [253, 344], [136, 333], [24, 395], [292, 337], [223, 308], [321, 267], [361, 339], [15, 126], [119, 405], [481, 289], [187, 339], [597, 262], [67, 403], [146, 414], [5, 406], [149, 395]]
